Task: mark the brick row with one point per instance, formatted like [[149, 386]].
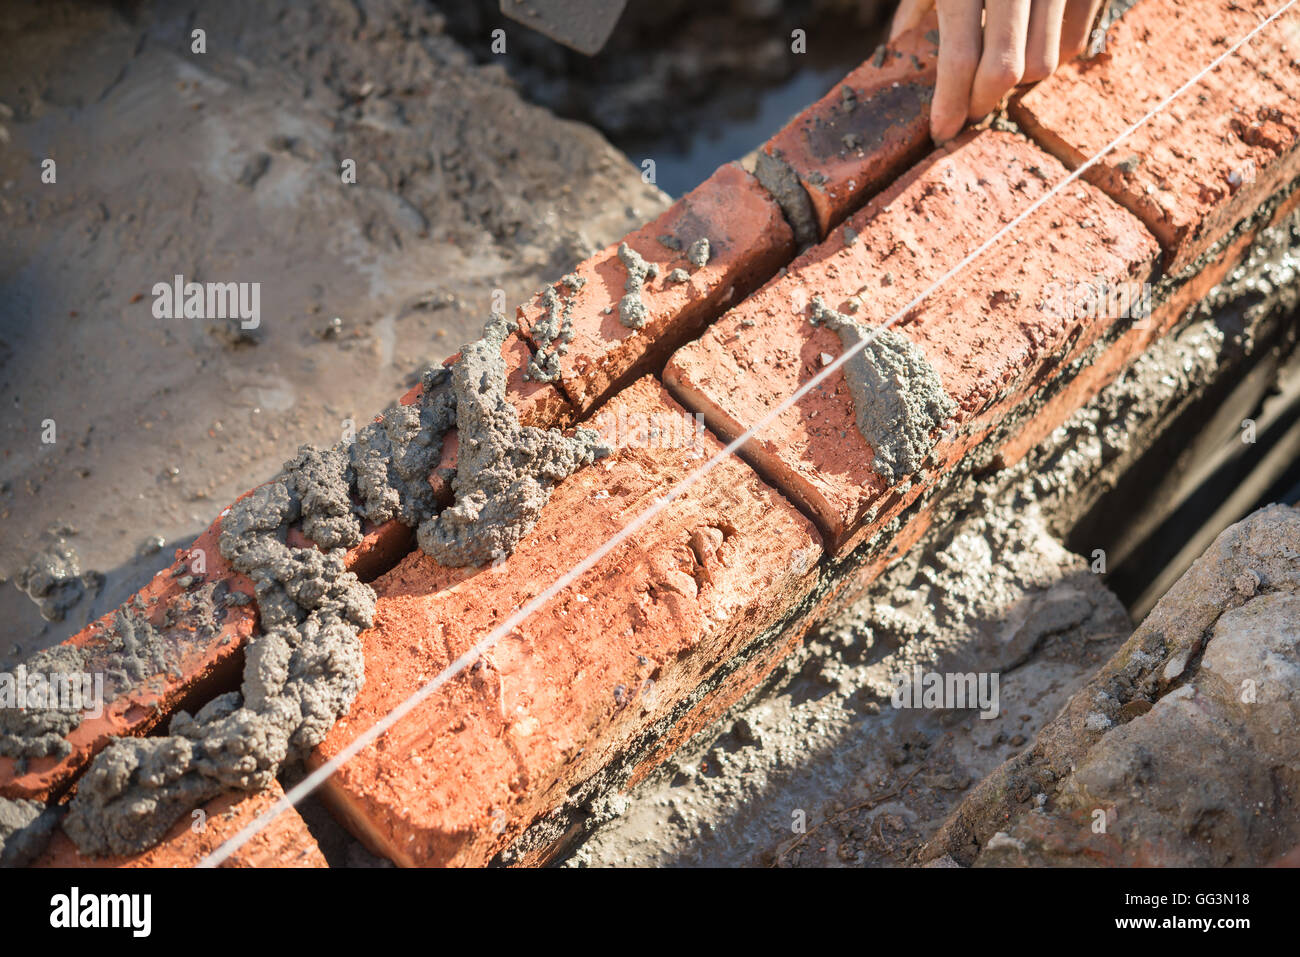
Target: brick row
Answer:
[[209, 660], [990, 334], [206, 652], [564, 695], [1216, 153], [747, 241], [1135, 340]]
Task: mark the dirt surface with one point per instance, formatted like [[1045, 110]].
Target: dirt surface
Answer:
[[688, 85], [1180, 751], [227, 166]]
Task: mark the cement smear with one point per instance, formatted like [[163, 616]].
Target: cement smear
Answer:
[[699, 252], [25, 827], [631, 310], [301, 673], [505, 471], [775, 175], [53, 579], [897, 396], [40, 732], [304, 669], [554, 332]]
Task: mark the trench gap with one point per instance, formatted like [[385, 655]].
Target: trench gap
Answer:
[[691, 86]]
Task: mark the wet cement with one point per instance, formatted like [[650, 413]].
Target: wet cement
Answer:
[[52, 577], [782, 183], [898, 399], [41, 732], [631, 310], [25, 827], [553, 333], [505, 471], [305, 667]]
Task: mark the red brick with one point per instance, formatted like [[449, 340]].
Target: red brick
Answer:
[[844, 149], [1211, 157], [987, 332], [207, 663], [284, 842], [1134, 341], [567, 693], [750, 241]]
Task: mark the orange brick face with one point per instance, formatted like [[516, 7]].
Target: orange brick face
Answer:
[[1216, 153], [864, 132], [562, 695], [748, 241], [987, 333]]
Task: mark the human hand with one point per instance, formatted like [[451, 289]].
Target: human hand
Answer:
[[988, 47]]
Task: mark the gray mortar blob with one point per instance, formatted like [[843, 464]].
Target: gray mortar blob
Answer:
[[776, 176], [322, 480], [133, 651], [52, 578], [505, 471], [25, 828], [898, 398], [631, 310], [699, 253], [305, 667], [41, 732], [393, 458], [555, 326], [301, 672]]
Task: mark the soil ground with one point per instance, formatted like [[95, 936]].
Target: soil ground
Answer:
[[226, 166]]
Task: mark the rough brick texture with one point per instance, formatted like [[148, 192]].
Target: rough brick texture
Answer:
[[1135, 340], [1212, 156], [864, 132], [561, 698], [749, 241], [991, 333], [285, 842]]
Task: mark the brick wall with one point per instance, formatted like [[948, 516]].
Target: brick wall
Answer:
[[669, 629]]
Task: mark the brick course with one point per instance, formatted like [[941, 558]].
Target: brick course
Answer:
[[1216, 153], [554, 702]]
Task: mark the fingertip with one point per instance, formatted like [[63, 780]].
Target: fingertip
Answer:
[[993, 82], [944, 126], [1040, 67]]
